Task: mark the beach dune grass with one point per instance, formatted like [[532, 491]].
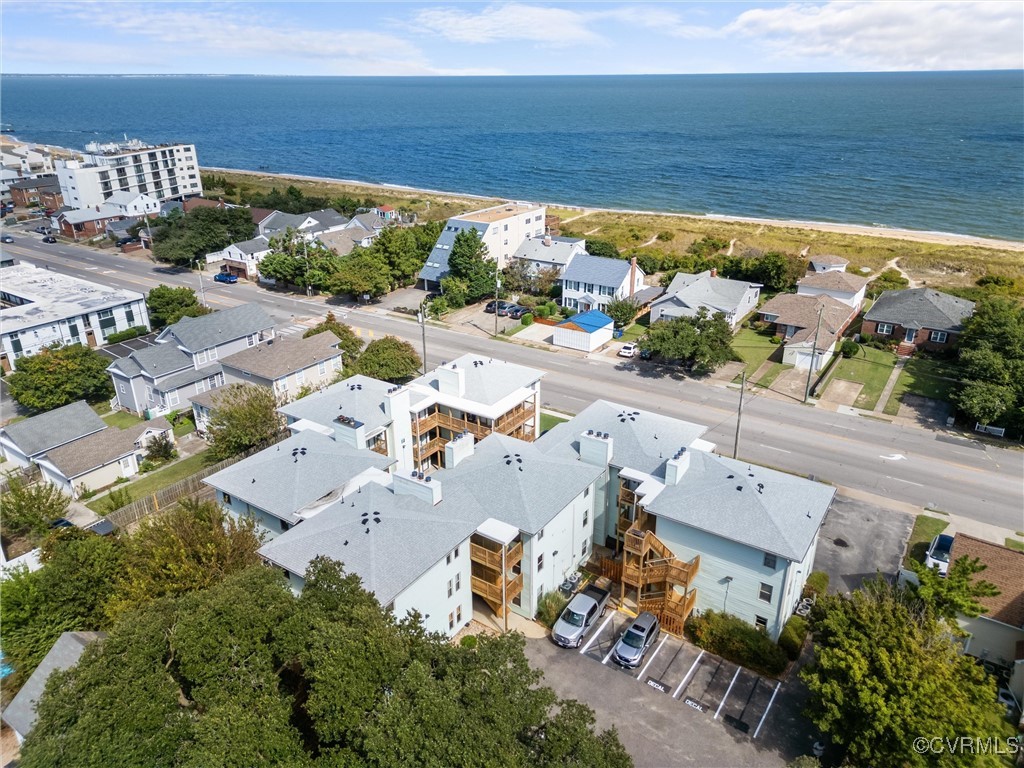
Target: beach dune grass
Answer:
[[870, 367], [924, 377]]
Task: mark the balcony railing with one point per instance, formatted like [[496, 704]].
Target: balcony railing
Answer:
[[381, 448], [506, 424], [421, 451], [491, 590], [491, 555]]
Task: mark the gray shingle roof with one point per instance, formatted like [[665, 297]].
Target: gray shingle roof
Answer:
[[368, 221], [188, 376], [41, 183], [282, 479], [284, 355], [279, 221], [783, 518], [388, 555], [488, 381], [640, 439], [258, 244], [100, 448], [597, 269], [557, 253], [686, 294], [360, 397], [833, 281], [436, 266], [53, 428], [328, 217], [65, 653], [802, 312], [157, 360], [921, 308], [198, 333]]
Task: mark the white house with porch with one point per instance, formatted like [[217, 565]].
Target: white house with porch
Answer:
[[592, 282]]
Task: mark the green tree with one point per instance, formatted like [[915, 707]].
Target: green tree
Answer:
[[362, 273], [702, 341], [243, 417], [192, 547], [516, 277], [168, 305], [187, 239], [295, 261], [889, 280], [980, 362], [455, 290], [604, 248], [468, 262], [622, 311], [955, 593], [887, 671], [997, 322], [399, 249], [349, 344], [983, 402], [28, 510], [388, 359], [57, 376]]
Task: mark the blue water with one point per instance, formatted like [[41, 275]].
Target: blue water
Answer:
[[929, 151]]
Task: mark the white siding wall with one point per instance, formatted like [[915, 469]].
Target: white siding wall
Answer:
[[847, 297], [429, 594]]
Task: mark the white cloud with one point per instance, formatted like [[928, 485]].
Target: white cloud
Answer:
[[513, 21], [657, 18], [892, 35]]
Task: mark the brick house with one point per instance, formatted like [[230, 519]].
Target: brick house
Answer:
[[29, 192], [919, 318]]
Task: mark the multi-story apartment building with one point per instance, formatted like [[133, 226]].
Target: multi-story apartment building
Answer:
[[41, 308], [502, 228], [162, 171]]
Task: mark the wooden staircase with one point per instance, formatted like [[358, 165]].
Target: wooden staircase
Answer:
[[657, 575]]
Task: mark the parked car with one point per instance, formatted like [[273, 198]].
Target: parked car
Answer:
[[498, 306], [646, 354], [6, 239], [42, 230], [938, 553], [49, 239], [580, 616], [628, 350], [517, 312], [505, 308], [126, 240], [225, 277], [629, 652]]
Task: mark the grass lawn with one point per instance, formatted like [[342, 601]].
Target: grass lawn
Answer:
[[122, 419], [925, 529], [754, 348], [513, 330], [155, 481], [634, 332], [923, 377], [870, 367], [101, 408], [1016, 544], [547, 421], [772, 374], [184, 427]]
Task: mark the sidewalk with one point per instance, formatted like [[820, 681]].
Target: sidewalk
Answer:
[[890, 385]]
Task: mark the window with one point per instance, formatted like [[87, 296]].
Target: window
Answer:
[[450, 590], [583, 549], [769, 560], [588, 287], [458, 581], [129, 316], [451, 621], [321, 367], [213, 353], [250, 340], [586, 492], [336, 363], [201, 357], [121, 387], [586, 517], [172, 398], [765, 592], [448, 559], [939, 337], [458, 614], [540, 562], [761, 623], [540, 534], [884, 329], [605, 290], [225, 498], [300, 376]]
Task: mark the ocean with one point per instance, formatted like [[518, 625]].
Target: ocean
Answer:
[[927, 151]]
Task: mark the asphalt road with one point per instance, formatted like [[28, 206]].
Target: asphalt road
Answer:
[[907, 464]]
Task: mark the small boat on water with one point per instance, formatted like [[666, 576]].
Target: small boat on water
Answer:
[[6, 128]]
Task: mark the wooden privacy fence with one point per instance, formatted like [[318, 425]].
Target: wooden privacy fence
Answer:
[[28, 476], [611, 569]]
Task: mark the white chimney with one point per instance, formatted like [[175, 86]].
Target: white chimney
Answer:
[[676, 467], [547, 240], [399, 432], [415, 484], [714, 272], [458, 449], [596, 448], [451, 380]]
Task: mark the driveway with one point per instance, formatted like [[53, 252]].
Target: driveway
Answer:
[[859, 540]]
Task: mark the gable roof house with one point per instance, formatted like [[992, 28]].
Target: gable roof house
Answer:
[[549, 252], [796, 320], [826, 263], [307, 225], [344, 241], [918, 317], [242, 259], [840, 285], [686, 294], [592, 282], [185, 360], [25, 441], [29, 192], [370, 222]]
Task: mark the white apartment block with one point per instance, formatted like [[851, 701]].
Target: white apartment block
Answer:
[[503, 229], [162, 171]]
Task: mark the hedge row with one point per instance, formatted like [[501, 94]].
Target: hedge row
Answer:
[[732, 638]]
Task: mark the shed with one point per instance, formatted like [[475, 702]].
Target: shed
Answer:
[[586, 331]]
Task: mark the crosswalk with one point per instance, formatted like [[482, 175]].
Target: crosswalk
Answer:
[[298, 327]]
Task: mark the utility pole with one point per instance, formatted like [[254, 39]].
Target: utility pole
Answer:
[[814, 354], [421, 317], [739, 413], [497, 288], [202, 288], [305, 254]]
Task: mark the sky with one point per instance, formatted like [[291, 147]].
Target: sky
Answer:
[[507, 38]]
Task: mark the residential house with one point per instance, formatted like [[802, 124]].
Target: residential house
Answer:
[[918, 318], [547, 253], [826, 263], [592, 282], [168, 207], [368, 222], [687, 294], [242, 259], [185, 360], [20, 714], [42, 307], [996, 637], [585, 331], [25, 441], [26, 193], [163, 171], [502, 228], [99, 460], [840, 285], [344, 241], [84, 223], [810, 326], [385, 212], [306, 225], [134, 204], [27, 160]]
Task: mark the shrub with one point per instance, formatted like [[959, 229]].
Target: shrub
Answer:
[[131, 333], [849, 348], [147, 466], [527, 319], [117, 498], [542, 311], [568, 312], [732, 638], [775, 340], [468, 642], [550, 608], [817, 584], [791, 640], [85, 492], [160, 448], [666, 235]]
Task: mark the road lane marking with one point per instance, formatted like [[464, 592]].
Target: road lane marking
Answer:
[[653, 656], [597, 634], [773, 448], [894, 457], [727, 691], [689, 673], [908, 482], [770, 702]]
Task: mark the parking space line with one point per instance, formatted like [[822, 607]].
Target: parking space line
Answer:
[[727, 690], [597, 634], [688, 675], [767, 709], [653, 655]]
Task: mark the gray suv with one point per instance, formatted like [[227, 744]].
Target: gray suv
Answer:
[[629, 652]]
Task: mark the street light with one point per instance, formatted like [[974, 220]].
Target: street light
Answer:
[[421, 317]]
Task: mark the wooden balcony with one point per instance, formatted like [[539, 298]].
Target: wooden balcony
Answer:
[[514, 419], [640, 521], [421, 451], [480, 428], [488, 553], [491, 590]]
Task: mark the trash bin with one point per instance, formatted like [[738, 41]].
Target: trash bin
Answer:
[[617, 333]]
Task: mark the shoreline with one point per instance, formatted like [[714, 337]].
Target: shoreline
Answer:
[[891, 233]]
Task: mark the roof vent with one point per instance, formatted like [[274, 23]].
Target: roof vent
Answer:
[[760, 487], [739, 487], [590, 431], [630, 415]]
